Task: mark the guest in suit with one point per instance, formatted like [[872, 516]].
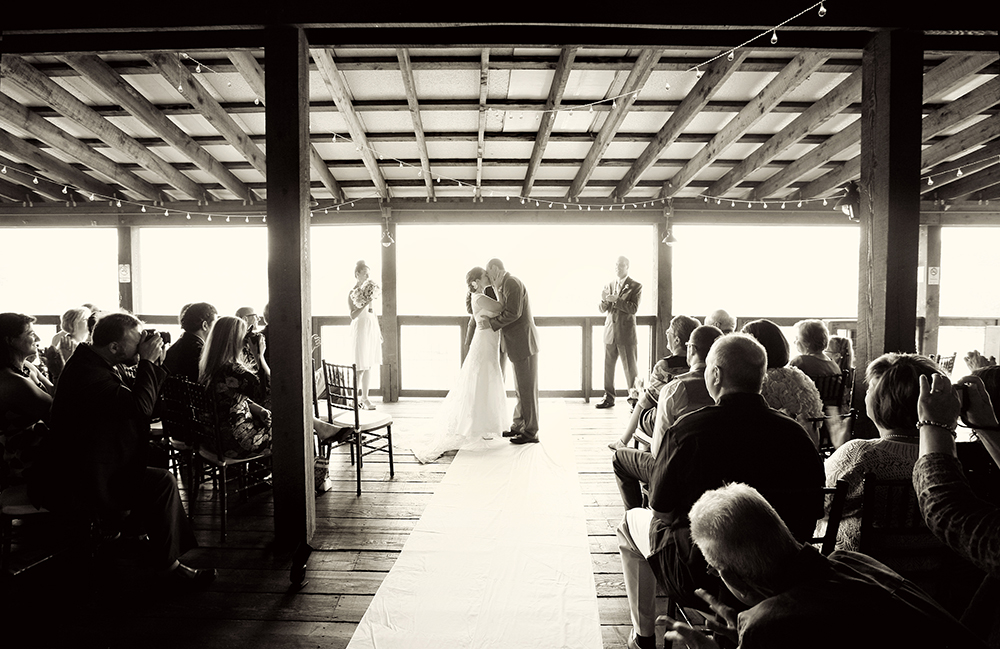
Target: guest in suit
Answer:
[[106, 477], [519, 338], [620, 301], [183, 356]]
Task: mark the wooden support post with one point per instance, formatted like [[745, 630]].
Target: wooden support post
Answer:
[[128, 268], [287, 124], [890, 199], [929, 288], [389, 376], [664, 290]]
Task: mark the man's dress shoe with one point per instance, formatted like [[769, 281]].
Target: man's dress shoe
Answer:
[[524, 438], [606, 404], [510, 433]]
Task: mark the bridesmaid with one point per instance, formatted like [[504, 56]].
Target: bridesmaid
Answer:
[[366, 339]]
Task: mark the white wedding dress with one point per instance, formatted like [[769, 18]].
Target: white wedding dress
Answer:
[[476, 407]]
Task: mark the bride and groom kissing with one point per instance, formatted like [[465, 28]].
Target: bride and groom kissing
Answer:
[[476, 408]]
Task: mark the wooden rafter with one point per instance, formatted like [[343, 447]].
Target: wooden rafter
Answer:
[[787, 80], [556, 90], [107, 80], [636, 80], [484, 90], [170, 66], [410, 86], [15, 192], [970, 183], [970, 163], [57, 170], [20, 117], [968, 138], [714, 77], [27, 177], [252, 73], [954, 71], [846, 92], [48, 91], [338, 89]]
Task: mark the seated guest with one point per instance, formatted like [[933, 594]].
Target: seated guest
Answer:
[[678, 334], [684, 394], [183, 356], [72, 331], [24, 401], [721, 319], [795, 594], [893, 387], [954, 513], [786, 388], [840, 349], [811, 338], [100, 439], [740, 439], [240, 394]]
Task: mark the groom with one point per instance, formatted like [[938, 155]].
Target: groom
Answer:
[[520, 340]]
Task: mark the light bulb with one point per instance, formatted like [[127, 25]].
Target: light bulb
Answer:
[[144, 209], [209, 217], [166, 212], [247, 220], [930, 181], [4, 170], [959, 174], [197, 68], [774, 37], [35, 180], [698, 73], [731, 56], [666, 86], [189, 216], [66, 189], [227, 218], [822, 10]]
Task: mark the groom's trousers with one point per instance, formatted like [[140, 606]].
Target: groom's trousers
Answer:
[[526, 386]]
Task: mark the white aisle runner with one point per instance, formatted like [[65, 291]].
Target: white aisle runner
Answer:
[[500, 558]]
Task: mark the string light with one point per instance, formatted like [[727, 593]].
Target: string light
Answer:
[[822, 10], [774, 37]]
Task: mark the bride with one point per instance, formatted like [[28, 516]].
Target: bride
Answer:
[[476, 408]]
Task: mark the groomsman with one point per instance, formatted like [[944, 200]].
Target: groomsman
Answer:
[[620, 301]]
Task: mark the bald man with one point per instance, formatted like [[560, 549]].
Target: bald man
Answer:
[[620, 301]]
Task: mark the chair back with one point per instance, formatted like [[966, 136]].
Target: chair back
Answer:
[[318, 389], [188, 412], [837, 496], [947, 363], [341, 383], [831, 388]]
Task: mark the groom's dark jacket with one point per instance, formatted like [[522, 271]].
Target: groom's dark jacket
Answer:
[[517, 327]]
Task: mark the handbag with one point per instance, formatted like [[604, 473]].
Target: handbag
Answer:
[[321, 474]]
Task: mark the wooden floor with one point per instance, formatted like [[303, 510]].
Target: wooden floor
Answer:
[[356, 542]]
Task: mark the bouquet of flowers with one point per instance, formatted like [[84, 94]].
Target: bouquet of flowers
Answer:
[[365, 294]]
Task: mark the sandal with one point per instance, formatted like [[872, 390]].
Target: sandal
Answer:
[[366, 405]]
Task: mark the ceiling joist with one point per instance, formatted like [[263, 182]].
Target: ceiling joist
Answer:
[[556, 91], [410, 87]]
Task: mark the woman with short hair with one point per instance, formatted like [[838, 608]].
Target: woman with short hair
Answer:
[[811, 338], [73, 330]]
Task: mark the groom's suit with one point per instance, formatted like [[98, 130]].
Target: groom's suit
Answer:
[[520, 341]]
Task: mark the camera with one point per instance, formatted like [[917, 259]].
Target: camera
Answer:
[[164, 335]]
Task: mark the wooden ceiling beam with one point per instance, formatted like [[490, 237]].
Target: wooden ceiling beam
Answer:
[[954, 71], [972, 103], [484, 94], [50, 92], [814, 158], [832, 180], [556, 91], [972, 162], [713, 78], [21, 118], [968, 138], [410, 87], [971, 183], [620, 107], [846, 92], [248, 68], [787, 80], [61, 172], [338, 89], [170, 66], [16, 192], [27, 177], [94, 69]]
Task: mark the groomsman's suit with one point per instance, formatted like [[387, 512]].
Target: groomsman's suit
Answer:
[[619, 330], [519, 339]]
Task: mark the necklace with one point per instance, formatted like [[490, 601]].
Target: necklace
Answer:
[[901, 438]]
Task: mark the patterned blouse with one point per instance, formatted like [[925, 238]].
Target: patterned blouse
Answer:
[[235, 387]]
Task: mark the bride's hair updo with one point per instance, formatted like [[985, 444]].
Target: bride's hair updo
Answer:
[[361, 265], [475, 273]]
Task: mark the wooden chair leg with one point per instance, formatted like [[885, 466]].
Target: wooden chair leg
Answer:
[[357, 443], [222, 499], [388, 434]]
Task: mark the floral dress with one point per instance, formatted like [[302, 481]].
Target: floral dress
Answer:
[[235, 387]]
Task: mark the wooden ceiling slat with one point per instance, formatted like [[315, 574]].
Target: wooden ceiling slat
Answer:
[[848, 91], [20, 117], [970, 183], [252, 73], [636, 80], [971, 162], [954, 71], [331, 77], [714, 77], [62, 172], [787, 80], [953, 113], [44, 187], [556, 91], [968, 138], [832, 180], [16, 192], [98, 72], [48, 91], [170, 66], [410, 87], [484, 92], [817, 156]]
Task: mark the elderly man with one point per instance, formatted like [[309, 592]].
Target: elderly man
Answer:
[[100, 436], [620, 301], [798, 597], [721, 319], [684, 394], [739, 439], [183, 356]]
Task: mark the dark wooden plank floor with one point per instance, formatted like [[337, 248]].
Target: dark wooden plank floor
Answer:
[[356, 543]]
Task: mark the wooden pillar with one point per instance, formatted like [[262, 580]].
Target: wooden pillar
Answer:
[[664, 291], [389, 377], [892, 66], [128, 268], [929, 288], [287, 125]]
